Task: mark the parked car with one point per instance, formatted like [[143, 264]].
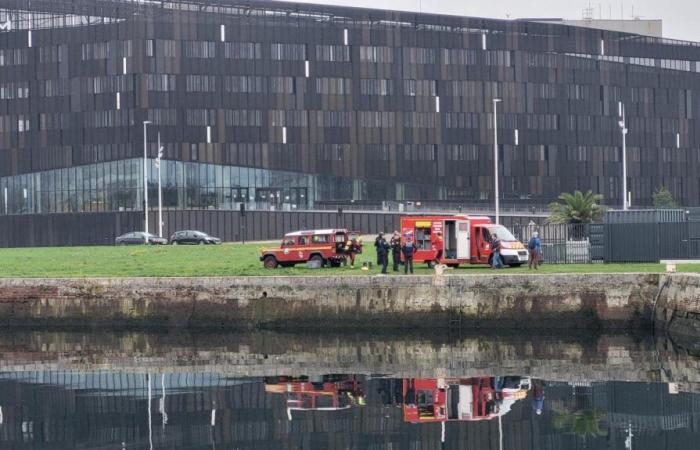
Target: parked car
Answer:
[[139, 238], [193, 237], [319, 246]]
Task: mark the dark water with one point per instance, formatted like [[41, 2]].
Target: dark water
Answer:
[[271, 391]]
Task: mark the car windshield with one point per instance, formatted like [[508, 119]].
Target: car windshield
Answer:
[[502, 232]]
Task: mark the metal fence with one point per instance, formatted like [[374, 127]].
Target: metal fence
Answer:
[[561, 243], [651, 242]]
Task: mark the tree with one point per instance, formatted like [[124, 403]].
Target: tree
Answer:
[[576, 208], [663, 199], [585, 423]]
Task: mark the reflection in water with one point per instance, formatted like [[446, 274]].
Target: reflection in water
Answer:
[[52, 403]]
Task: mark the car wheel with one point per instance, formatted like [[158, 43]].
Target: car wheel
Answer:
[[318, 259], [201, 243], [515, 264], [270, 262]]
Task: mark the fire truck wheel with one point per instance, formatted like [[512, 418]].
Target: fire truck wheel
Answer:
[[432, 264], [318, 258], [270, 262]]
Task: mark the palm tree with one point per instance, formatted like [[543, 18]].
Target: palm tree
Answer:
[[576, 208], [584, 423]]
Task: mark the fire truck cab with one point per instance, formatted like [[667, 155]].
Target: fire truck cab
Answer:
[[460, 239]]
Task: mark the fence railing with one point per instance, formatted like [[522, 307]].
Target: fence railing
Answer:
[[561, 243]]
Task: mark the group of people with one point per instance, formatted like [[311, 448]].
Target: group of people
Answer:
[[397, 248], [534, 245]]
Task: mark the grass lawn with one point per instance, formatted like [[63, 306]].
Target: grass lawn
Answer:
[[221, 260]]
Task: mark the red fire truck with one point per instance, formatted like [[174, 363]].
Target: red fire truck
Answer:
[[324, 246], [460, 239], [467, 399]]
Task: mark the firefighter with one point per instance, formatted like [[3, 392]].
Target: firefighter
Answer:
[[353, 247], [383, 253], [377, 240], [408, 249], [439, 245], [395, 245]]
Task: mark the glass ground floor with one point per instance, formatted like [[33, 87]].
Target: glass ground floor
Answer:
[[118, 186]]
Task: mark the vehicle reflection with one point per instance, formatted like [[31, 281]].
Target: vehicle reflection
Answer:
[[422, 400]]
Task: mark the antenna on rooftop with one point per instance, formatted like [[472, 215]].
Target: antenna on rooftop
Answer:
[[588, 12]]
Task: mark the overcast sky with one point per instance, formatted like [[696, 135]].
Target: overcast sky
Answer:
[[680, 17]]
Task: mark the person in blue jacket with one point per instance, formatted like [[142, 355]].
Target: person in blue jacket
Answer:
[[535, 248]]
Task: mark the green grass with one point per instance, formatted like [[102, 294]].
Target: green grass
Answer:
[[222, 260]]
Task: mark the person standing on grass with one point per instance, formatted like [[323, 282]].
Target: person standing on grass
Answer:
[[383, 253], [395, 245], [496, 253], [408, 249], [535, 248], [377, 240]]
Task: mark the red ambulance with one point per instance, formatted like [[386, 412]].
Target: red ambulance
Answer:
[[460, 239]]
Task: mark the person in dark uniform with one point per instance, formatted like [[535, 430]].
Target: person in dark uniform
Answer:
[[383, 253], [377, 240], [408, 249], [395, 245]]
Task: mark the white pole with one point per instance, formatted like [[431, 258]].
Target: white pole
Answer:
[[160, 190], [623, 129], [495, 158], [145, 177], [150, 424]]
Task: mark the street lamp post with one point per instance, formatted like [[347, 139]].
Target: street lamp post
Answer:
[[145, 178], [623, 130], [160, 189], [495, 157]]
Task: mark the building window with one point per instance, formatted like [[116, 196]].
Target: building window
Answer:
[[243, 118], [288, 52], [166, 48], [373, 86], [200, 117], [160, 82], [166, 117], [326, 119], [418, 55], [13, 56], [376, 54], [282, 85], [333, 53], [415, 88], [333, 86], [201, 83], [242, 50], [245, 84], [376, 119], [458, 56], [17, 90], [200, 49]]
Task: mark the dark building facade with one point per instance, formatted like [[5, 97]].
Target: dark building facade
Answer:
[[287, 105]]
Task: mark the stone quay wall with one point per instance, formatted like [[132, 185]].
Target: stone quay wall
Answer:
[[590, 301]]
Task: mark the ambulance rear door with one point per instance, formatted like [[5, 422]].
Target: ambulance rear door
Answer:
[[463, 240]]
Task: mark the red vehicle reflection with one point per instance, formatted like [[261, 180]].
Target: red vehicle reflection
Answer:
[[330, 393]]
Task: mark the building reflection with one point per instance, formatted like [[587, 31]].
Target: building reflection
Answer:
[[69, 410]]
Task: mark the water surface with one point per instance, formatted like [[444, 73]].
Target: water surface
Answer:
[[89, 390]]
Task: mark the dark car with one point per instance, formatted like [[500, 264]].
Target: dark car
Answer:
[[139, 237], [193, 237]]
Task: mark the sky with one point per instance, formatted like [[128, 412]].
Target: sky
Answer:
[[680, 17]]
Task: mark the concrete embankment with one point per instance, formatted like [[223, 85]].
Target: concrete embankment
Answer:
[[604, 301]]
